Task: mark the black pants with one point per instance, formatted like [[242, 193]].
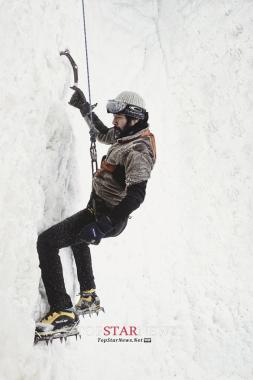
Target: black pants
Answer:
[[64, 234]]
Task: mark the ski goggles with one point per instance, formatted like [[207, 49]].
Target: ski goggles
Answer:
[[117, 106]]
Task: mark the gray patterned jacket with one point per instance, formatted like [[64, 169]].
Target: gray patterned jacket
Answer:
[[135, 153]]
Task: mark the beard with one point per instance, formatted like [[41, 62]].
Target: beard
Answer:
[[117, 132], [122, 132]]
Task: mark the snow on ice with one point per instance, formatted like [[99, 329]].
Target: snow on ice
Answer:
[[182, 271]]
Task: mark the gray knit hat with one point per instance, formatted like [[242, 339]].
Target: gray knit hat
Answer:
[[131, 97], [128, 103]]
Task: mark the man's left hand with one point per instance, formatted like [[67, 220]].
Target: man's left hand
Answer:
[[79, 101], [94, 232]]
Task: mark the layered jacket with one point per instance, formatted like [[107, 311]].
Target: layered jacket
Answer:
[[122, 178]]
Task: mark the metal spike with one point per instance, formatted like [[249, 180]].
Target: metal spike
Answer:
[[65, 338], [76, 336], [47, 342], [61, 339]]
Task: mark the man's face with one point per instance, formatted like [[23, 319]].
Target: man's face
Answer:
[[120, 121]]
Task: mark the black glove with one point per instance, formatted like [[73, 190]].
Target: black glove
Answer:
[[94, 232], [79, 101]]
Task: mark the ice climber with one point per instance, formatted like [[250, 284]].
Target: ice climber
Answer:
[[118, 188]]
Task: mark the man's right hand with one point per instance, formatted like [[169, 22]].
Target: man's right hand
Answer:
[[79, 101]]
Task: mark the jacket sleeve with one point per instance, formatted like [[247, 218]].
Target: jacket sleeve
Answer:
[[104, 135], [135, 196], [139, 163]]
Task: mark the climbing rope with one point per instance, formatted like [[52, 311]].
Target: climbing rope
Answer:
[[86, 51], [93, 150]]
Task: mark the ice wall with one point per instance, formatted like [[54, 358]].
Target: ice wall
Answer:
[[183, 266]]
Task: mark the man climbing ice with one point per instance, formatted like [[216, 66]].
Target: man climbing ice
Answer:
[[118, 188]]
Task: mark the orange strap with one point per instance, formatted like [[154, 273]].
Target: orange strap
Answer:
[[105, 166], [152, 141]]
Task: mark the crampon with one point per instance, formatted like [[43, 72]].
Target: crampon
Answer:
[[62, 334], [88, 304], [94, 309]]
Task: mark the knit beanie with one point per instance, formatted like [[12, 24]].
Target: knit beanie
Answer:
[[130, 97]]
